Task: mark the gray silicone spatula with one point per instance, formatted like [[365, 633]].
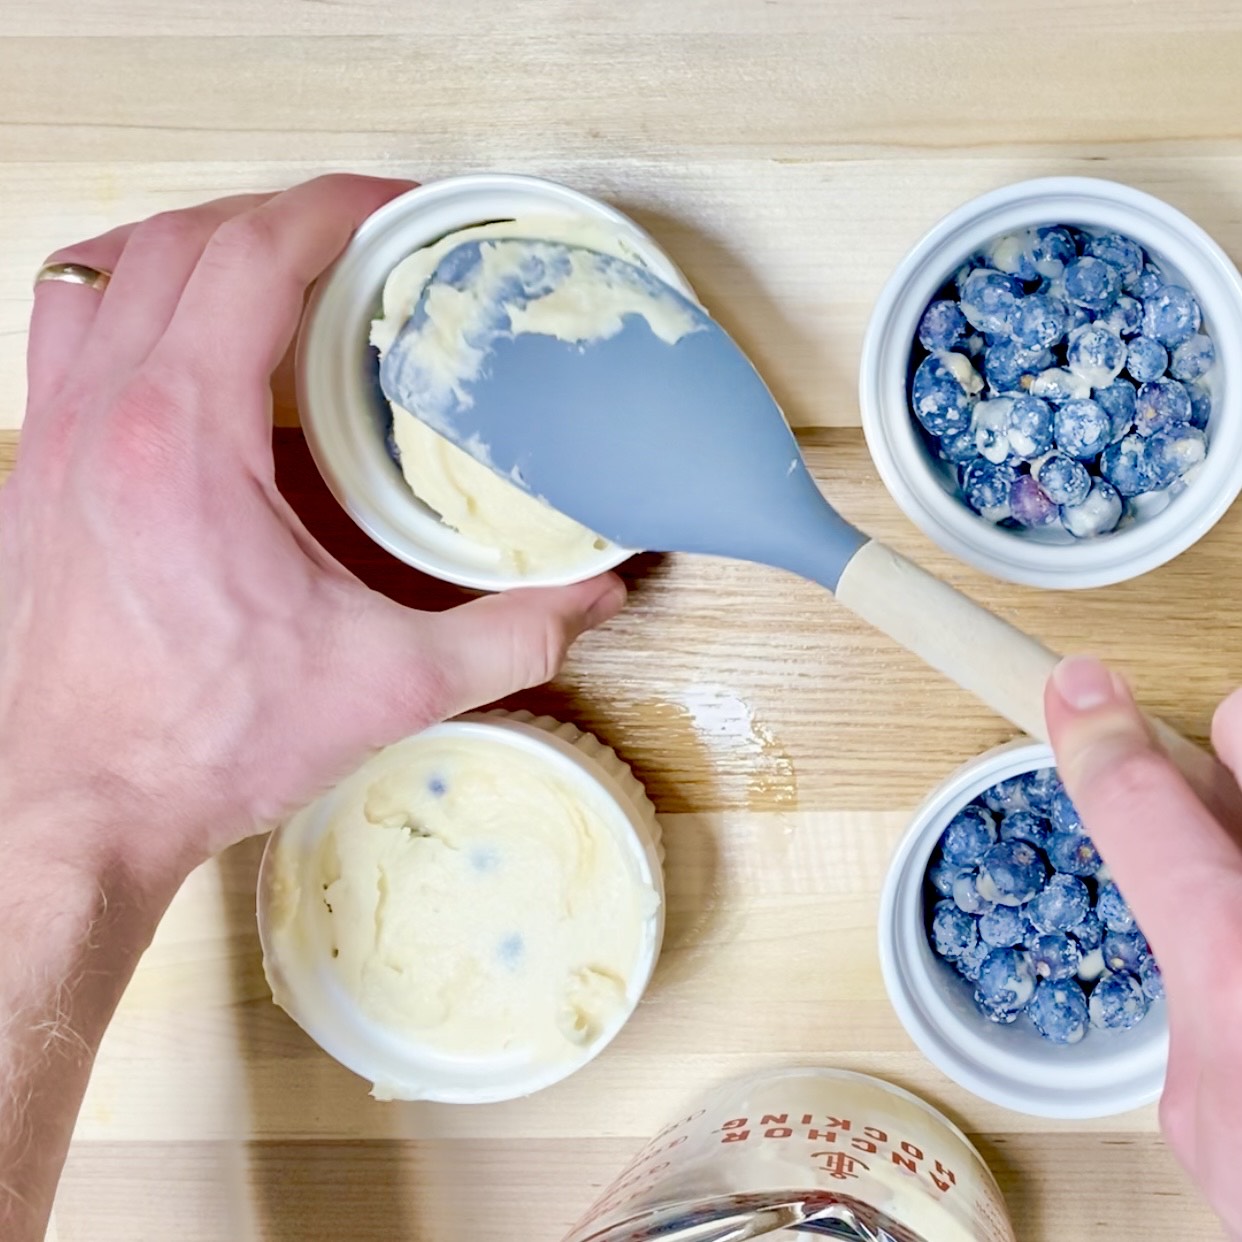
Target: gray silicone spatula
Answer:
[[652, 428]]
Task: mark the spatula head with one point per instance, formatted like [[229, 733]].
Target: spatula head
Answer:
[[593, 385]]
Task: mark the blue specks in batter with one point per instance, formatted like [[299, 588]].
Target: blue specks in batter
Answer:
[[484, 859], [511, 951]]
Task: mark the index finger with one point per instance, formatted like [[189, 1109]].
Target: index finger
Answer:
[[1178, 866], [242, 303]]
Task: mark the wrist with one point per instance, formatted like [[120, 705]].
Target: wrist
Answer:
[[66, 842], [77, 911]]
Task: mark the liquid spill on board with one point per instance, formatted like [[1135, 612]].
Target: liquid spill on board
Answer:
[[745, 758]]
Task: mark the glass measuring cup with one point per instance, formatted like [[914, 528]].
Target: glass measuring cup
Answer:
[[806, 1152]]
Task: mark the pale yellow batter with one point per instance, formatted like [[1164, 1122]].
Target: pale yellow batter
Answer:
[[527, 534], [468, 899]]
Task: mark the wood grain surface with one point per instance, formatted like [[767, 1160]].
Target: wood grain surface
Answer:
[[787, 152]]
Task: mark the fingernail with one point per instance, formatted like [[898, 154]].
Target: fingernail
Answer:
[[1084, 683]]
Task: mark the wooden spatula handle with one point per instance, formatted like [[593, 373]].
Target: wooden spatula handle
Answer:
[[994, 660]]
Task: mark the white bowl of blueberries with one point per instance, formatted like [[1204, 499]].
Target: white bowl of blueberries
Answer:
[[1050, 383], [1009, 953]]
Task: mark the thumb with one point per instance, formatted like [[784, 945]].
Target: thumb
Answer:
[[1166, 851], [494, 646]]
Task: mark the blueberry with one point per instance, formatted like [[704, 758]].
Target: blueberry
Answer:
[[1054, 956], [1025, 826], [952, 931], [1092, 283], [1200, 405], [966, 896], [1161, 403], [944, 388], [1117, 1003], [1000, 1014], [1073, 853], [942, 875], [989, 300], [1006, 980], [1146, 359], [1005, 363], [1065, 480], [1011, 873], [1112, 909], [1063, 904], [942, 326], [1030, 427], [1013, 254], [1001, 927], [986, 487], [1030, 505], [1005, 796], [1126, 317], [969, 834], [1063, 813], [1120, 253], [1089, 932], [1040, 787], [1124, 465], [971, 960], [1151, 979], [990, 423], [1194, 357], [1052, 249], [1059, 1011], [1118, 401], [1058, 386], [1171, 315], [1083, 429], [959, 447], [1124, 950], [1171, 453], [1146, 283], [1096, 353], [1039, 321], [1096, 515]]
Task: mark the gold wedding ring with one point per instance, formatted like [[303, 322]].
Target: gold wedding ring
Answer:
[[74, 274]]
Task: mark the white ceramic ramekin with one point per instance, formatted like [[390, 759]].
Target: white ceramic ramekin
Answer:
[[1106, 1073], [924, 488], [398, 1066], [342, 409]]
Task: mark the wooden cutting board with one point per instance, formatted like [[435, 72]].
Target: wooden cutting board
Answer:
[[786, 152]]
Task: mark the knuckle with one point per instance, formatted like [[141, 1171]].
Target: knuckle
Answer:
[[403, 675], [144, 435], [1227, 722], [1127, 784], [334, 181], [417, 700], [1175, 1118], [244, 241], [546, 653], [168, 230]]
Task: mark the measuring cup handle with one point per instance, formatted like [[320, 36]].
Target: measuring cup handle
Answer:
[[994, 660]]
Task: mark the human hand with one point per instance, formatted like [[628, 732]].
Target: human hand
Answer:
[[180, 662], [1179, 865]]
